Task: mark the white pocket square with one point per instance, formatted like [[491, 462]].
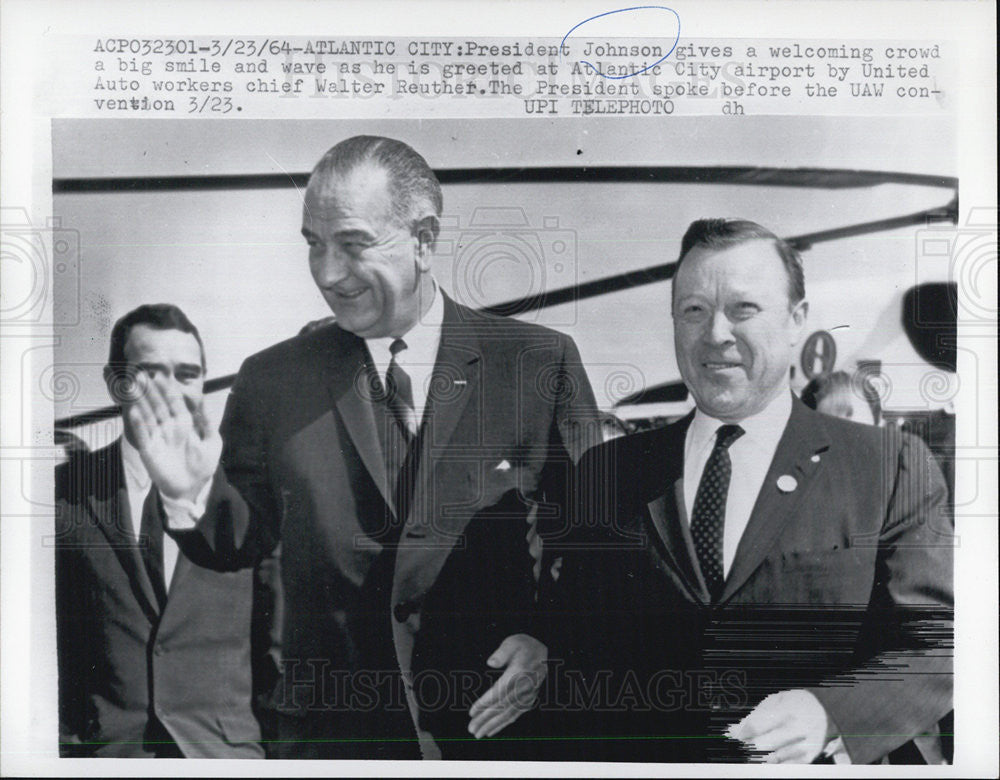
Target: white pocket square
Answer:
[[503, 465]]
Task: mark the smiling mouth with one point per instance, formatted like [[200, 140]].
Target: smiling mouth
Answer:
[[720, 365], [350, 295]]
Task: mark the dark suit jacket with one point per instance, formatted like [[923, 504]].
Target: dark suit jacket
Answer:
[[124, 664], [841, 585], [367, 593]]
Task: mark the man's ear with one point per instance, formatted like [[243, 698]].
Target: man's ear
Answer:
[[800, 314], [426, 232], [109, 382]]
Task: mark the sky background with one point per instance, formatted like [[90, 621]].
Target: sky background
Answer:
[[235, 261]]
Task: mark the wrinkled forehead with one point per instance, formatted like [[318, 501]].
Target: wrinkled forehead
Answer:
[[362, 186], [749, 267], [145, 344]]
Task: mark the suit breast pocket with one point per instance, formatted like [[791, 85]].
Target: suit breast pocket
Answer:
[[831, 577]]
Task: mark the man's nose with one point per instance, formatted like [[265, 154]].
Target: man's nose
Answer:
[[331, 266], [170, 384], [720, 329], [166, 384]]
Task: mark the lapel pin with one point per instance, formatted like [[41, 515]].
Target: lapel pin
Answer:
[[814, 458], [787, 483]]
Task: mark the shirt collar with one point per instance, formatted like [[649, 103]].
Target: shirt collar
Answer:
[[421, 340], [135, 469], [764, 428]]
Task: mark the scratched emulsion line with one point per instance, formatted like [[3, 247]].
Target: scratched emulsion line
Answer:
[[597, 70]]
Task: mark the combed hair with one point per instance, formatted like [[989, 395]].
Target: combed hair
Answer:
[[414, 184], [725, 233], [160, 316]]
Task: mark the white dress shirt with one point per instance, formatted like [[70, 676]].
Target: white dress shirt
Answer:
[[422, 342], [138, 484], [751, 457], [417, 360]]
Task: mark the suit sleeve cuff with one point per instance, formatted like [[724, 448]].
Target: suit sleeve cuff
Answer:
[[836, 751], [836, 700]]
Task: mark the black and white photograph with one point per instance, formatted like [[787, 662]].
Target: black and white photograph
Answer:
[[846, 537], [605, 434]]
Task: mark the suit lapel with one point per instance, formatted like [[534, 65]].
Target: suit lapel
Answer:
[[667, 513], [349, 378], [454, 381], [429, 535], [107, 497], [796, 457]]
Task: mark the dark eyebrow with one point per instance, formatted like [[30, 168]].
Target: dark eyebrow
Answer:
[[150, 366]]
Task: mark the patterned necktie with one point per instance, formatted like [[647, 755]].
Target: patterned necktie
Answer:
[[151, 546], [709, 514], [402, 449], [400, 393]]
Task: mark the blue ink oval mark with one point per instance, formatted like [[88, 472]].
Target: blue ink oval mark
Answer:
[[622, 11]]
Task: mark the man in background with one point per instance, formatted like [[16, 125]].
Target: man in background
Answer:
[[154, 650], [841, 395], [404, 456], [764, 581]]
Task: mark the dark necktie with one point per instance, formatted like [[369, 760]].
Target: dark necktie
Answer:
[[151, 546], [400, 393], [708, 516], [403, 449]]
